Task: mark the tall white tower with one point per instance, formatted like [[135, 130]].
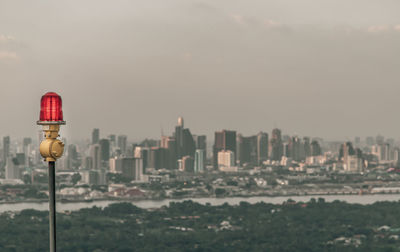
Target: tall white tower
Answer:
[[180, 121]]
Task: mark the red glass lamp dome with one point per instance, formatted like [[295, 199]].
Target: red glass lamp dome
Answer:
[[51, 109]]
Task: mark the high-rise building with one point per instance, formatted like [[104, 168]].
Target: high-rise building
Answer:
[[224, 140], [179, 138], [72, 155], [382, 151], [262, 147], [200, 142], [157, 158], [199, 161], [129, 167], [6, 149], [353, 164], [95, 154], [104, 149], [351, 158], [142, 153], [246, 150], [38, 157], [95, 136], [185, 145], [226, 159], [189, 146], [139, 170], [276, 146], [113, 140], [94, 177], [12, 168], [187, 164], [315, 148], [180, 122], [169, 144], [122, 143], [296, 149], [345, 151], [20, 157], [88, 163], [27, 148], [115, 165], [307, 146]]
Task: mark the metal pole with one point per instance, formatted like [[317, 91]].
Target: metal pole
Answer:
[[52, 205]]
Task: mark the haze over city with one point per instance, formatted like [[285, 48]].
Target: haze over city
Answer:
[[200, 125], [317, 68]]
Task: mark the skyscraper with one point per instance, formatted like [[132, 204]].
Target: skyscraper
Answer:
[[262, 147], [6, 149], [226, 159], [95, 154], [296, 149], [315, 148], [246, 149], [179, 138], [307, 146], [20, 157], [169, 144], [180, 122], [12, 168], [157, 158], [189, 146], [113, 140], [200, 142], [130, 167], [224, 140], [199, 161], [104, 150], [345, 151], [185, 145], [95, 136], [187, 164], [142, 153], [276, 146], [72, 155], [26, 145], [122, 143]]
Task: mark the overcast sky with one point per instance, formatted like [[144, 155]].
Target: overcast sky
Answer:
[[327, 68]]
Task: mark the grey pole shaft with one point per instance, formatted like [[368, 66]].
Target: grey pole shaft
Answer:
[[52, 205]]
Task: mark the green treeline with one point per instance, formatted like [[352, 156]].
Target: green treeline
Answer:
[[188, 226]]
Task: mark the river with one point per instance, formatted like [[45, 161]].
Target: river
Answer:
[[357, 199]]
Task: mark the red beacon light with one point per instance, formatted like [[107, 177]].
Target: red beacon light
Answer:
[[51, 110]]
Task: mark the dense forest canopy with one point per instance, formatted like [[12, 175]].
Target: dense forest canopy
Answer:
[[189, 226]]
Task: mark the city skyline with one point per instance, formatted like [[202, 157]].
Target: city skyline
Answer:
[[164, 131], [182, 151], [210, 137]]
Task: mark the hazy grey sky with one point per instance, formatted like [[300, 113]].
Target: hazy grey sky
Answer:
[[326, 68]]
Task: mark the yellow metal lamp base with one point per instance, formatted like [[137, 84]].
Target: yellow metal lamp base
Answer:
[[51, 148]]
